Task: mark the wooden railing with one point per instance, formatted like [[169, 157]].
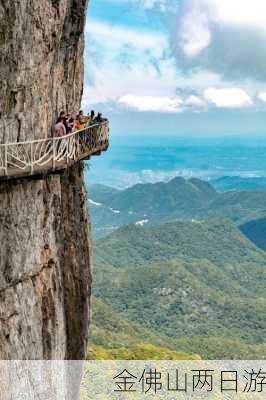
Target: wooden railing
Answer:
[[56, 153]]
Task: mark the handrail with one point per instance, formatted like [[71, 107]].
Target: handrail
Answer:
[[55, 137], [41, 156]]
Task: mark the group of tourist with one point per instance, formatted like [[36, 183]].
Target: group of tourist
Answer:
[[67, 123]]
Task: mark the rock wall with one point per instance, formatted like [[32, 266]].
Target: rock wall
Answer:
[[44, 234]]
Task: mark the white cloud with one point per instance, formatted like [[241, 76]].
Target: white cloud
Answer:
[[228, 97], [112, 80], [219, 36], [148, 4], [194, 101], [149, 103], [239, 11], [200, 16], [119, 36], [262, 96], [137, 69], [124, 60], [162, 5], [195, 34]]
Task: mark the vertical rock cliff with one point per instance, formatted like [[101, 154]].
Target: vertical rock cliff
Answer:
[[44, 236]]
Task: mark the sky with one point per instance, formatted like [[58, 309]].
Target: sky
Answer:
[[177, 67]]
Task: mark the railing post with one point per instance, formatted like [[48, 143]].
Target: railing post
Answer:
[[5, 159], [54, 153], [67, 151], [31, 158], [78, 141], [5, 139]]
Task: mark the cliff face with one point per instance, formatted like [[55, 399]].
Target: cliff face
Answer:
[[44, 236]]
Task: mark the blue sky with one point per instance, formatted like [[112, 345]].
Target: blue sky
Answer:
[[187, 67]]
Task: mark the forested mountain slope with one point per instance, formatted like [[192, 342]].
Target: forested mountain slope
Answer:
[[176, 199], [197, 285]]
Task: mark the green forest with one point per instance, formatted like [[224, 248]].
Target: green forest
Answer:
[[188, 288]]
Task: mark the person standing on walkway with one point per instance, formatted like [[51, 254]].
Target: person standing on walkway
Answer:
[[59, 128]]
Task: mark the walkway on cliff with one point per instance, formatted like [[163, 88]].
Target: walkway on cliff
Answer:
[[37, 157]]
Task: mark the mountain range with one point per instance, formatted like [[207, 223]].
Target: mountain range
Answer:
[[194, 287], [178, 199]]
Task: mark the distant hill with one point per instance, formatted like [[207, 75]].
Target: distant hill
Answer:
[[159, 197], [256, 232], [102, 193], [196, 285], [177, 199], [216, 240], [227, 183], [240, 207]]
